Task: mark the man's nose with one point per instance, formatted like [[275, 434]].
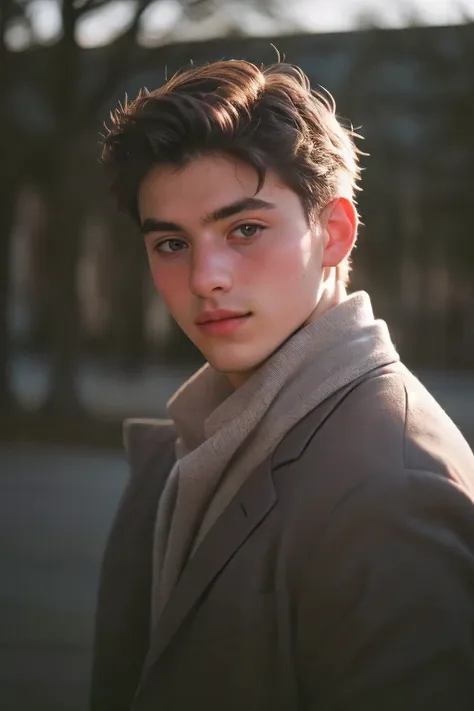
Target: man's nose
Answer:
[[211, 270]]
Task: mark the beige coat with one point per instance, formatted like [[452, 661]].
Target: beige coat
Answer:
[[340, 577]]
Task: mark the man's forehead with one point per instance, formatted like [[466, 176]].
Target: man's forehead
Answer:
[[206, 186]]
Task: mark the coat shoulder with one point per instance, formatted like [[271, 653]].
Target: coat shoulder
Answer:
[[408, 422], [387, 423]]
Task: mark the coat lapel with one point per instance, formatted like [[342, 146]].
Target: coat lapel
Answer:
[[248, 508]]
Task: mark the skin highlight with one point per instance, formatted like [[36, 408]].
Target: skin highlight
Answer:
[[213, 244]]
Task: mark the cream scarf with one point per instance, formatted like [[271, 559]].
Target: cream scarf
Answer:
[[225, 434]]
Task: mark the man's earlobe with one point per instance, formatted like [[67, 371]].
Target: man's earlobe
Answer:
[[341, 231]]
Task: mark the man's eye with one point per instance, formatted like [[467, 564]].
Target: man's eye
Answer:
[[170, 246], [248, 230]]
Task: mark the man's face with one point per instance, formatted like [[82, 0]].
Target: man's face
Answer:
[[215, 244]]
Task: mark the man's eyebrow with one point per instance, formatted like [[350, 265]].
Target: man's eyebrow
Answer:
[[249, 203], [152, 225]]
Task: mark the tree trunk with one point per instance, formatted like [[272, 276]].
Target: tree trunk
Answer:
[[7, 210], [9, 178], [129, 304], [63, 246], [62, 240]]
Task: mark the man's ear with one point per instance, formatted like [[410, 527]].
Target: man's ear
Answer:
[[339, 222]]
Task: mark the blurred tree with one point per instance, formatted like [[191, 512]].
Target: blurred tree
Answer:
[[10, 176], [72, 99], [72, 87], [416, 199]]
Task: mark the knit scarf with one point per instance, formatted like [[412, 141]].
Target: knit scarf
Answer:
[[223, 435]]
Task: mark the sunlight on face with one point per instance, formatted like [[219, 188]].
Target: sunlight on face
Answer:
[[213, 243]]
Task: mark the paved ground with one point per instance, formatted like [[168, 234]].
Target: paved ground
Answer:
[[55, 510]]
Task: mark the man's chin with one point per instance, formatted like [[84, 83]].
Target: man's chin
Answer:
[[234, 366], [238, 369]]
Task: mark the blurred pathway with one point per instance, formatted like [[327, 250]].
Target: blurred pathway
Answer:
[[55, 510]]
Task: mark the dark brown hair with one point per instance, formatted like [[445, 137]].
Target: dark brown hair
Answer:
[[268, 118]]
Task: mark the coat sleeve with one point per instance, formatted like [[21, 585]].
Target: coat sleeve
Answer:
[[385, 610]]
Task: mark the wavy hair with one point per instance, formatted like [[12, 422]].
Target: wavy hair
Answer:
[[269, 118]]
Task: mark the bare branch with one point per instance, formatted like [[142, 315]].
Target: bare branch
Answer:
[[82, 7], [120, 53], [142, 6], [198, 8], [68, 20], [11, 10]]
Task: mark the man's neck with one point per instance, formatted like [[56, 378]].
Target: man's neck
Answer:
[[333, 292]]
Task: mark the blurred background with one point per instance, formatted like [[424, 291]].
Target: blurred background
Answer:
[[84, 341]]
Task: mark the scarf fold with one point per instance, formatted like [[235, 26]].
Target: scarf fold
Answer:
[[225, 434]]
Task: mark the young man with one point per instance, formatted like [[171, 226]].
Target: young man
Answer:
[[300, 534]]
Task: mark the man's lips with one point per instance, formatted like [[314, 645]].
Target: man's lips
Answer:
[[219, 315], [224, 326]]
